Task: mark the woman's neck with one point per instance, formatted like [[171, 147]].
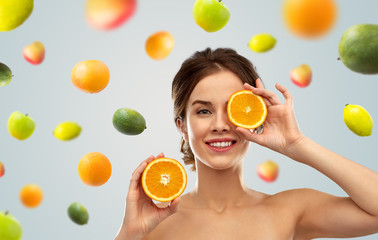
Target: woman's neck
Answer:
[[219, 189]]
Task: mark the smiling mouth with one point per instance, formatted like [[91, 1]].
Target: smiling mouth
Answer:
[[221, 144]]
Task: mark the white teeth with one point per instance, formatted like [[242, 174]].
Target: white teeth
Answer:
[[220, 144]]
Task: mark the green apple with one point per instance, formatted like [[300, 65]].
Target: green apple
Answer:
[[20, 126], [5, 75], [211, 15], [13, 13], [10, 228]]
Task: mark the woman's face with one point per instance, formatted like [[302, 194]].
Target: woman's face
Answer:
[[212, 137]]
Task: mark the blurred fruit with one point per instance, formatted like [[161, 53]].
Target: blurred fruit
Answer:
[[31, 195], [20, 126], [67, 131], [164, 179], [13, 13], [246, 110], [268, 171], [2, 169], [211, 15], [129, 121], [109, 14], [78, 213], [34, 53], [94, 169], [358, 48], [5, 75], [10, 228], [90, 76], [159, 45], [358, 120], [309, 18], [301, 75], [262, 42]]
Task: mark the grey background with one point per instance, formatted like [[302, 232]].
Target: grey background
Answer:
[[46, 93]]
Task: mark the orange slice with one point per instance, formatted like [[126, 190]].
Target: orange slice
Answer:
[[246, 109], [164, 179]]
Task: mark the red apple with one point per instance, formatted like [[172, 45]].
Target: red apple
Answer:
[[109, 14], [268, 171], [34, 53], [301, 75], [2, 169]]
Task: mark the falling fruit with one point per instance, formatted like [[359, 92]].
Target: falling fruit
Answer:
[[20, 126], [301, 75], [5, 75], [2, 169], [109, 14], [159, 45], [10, 227], [358, 120], [90, 76], [66, 131], [129, 121], [34, 53], [13, 13], [262, 42], [94, 169], [268, 171], [210, 15], [309, 18], [31, 195], [78, 213], [358, 48]]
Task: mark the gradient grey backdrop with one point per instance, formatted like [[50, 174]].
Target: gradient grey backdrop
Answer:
[[46, 93]]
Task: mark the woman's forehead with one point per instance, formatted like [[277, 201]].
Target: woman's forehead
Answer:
[[223, 82]]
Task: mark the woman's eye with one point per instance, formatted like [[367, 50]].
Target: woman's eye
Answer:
[[203, 111]]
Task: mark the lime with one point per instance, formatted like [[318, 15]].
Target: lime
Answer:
[[128, 121], [262, 42], [13, 13], [78, 213], [358, 120], [67, 131], [5, 75]]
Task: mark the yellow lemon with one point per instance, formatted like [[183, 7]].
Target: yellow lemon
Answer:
[[67, 130], [358, 120], [262, 42], [13, 13]]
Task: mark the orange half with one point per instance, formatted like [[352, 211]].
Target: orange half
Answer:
[[246, 109], [164, 179]]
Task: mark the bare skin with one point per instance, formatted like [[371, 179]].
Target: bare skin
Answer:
[[221, 206]]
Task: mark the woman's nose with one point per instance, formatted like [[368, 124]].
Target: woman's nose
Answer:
[[221, 123]]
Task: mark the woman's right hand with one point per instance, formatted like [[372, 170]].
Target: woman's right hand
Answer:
[[142, 215]]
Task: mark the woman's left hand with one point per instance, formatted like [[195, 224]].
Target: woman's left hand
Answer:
[[281, 130]]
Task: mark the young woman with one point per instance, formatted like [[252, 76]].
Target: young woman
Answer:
[[221, 206]]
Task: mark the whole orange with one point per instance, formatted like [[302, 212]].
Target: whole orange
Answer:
[[309, 18], [31, 195], [90, 76], [94, 169], [159, 45]]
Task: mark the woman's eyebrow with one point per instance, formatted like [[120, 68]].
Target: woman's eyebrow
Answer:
[[201, 102]]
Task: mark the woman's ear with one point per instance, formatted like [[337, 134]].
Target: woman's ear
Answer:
[[182, 128]]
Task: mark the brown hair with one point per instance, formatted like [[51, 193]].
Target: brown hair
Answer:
[[200, 65]]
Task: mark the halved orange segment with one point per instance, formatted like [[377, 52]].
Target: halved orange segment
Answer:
[[164, 179], [246, 109]]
